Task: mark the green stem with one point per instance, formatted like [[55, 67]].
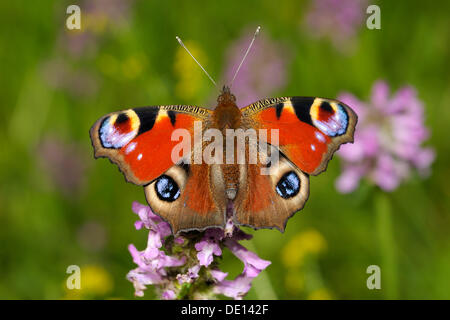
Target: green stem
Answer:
[[387, 245]]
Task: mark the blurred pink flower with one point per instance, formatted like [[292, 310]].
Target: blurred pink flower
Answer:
[[192, 262], [65, 163], [388, 139], [59, 74], [97, 17], [338, 20], [115, 10], [92, 236], [68, 68], [168, 295], [263, 72]]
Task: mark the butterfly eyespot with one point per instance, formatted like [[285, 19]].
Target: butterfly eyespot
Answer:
[[167, 189], [329, 117], [118, 129], [122, 118], [289, 185]]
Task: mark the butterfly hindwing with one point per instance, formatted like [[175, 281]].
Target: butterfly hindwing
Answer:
[[139, 140], [189, 197], [269, 199], [310, 129]]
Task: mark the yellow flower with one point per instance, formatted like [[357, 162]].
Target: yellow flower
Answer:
[[294, 281], [95, 281], [302, 244], [189, 75], [320, 294], [132, 67]]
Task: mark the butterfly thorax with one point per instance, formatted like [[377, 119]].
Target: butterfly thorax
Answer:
[[227, 114]]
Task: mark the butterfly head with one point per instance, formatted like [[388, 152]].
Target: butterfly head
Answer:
[[226, 97]]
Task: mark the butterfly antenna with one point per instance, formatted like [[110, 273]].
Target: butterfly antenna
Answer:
[[182, 44], [246, 53]]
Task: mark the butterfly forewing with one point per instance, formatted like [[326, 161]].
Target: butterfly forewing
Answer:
[[140, 141], [310, 129]]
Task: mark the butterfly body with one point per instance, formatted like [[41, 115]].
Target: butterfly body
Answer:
[[227, 114], [192, 193]]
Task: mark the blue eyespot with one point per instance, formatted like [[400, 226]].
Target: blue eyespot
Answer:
[[167, 189], [335, 122], [111, 136], [289, 185]]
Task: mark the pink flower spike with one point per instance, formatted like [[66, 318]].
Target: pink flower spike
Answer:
[[235, 289], [138, 225], [206, 249], [154, 240], [253, 264], [190, 276], [135, 254], [169, 261], [145, 214], [179, 240], [141, 279], [169, 267], [168, 295], [218, 275]]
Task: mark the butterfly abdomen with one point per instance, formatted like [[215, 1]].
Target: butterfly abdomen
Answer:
[[227, 116]]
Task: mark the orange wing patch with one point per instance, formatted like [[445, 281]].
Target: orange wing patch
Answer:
[[139, 140], [147, 155], [268, 201], [310, 129], [261, 185], [302, 143], [197, 194], [184, 196]]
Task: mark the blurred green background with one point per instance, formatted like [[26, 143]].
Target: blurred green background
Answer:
[[60, 207]]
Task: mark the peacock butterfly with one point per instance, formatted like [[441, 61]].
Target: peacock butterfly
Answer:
[[194, 195]]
